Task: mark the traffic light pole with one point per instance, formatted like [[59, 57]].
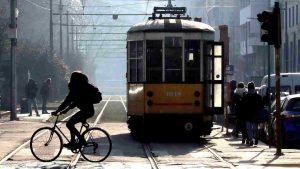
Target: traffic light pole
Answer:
[[278, 116]]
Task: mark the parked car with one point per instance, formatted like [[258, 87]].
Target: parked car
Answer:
[[289, 84], [290, 115]]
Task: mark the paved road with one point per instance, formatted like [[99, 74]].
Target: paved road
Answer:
[[128, 153]]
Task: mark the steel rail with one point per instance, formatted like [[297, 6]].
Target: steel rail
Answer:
[[215, 154], [152, 160], [27, 142], [75, 158]]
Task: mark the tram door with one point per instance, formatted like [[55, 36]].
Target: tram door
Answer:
[[214, 77]]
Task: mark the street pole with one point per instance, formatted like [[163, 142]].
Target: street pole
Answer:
[[277, 44], [51, 29], [268, 94], [72, 48], [13, 28], [278, 116], [68, 36], [60, 30]]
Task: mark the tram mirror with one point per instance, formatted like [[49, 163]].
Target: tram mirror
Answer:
[[218, 50]]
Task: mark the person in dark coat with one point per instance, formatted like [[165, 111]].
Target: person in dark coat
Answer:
[[239, 93], [45, 91], [252, 103], [79, 96], [31, 92]]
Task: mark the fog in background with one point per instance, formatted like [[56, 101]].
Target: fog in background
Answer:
[[110, 57], [105, 62]]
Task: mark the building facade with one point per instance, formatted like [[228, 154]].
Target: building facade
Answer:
[[290, 21], [226, 12]]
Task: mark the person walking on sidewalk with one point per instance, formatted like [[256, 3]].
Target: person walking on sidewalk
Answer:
[[239, 93], [45, 91], [31, 92], [252, 103]]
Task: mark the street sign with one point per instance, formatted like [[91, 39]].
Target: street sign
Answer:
[[229, 70]]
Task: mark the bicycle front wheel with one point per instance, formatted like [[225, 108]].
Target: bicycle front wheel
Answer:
[[46, 144], [98, 145]]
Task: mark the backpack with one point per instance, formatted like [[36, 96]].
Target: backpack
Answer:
[[95, 95]]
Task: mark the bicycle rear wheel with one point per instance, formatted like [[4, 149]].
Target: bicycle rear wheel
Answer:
[[98, 145], [46, 144]]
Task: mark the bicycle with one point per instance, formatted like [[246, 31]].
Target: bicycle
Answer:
[[46, 143]]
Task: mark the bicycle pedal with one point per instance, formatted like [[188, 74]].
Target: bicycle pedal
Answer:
[[75, 151]]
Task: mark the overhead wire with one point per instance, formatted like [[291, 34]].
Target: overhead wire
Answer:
[[37, 5]]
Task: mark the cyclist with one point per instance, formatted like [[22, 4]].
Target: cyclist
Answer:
[[80, 91]]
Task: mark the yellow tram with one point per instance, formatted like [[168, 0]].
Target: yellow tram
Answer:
[[174, 75]]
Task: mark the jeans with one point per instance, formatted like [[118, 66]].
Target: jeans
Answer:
[[32, 101], [44, 104], [251, 130], [80, 116]]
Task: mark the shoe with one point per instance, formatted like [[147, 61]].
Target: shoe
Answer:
[[256, 141], [247, 141], [251, 143], [243, 140], [45, 113], [69, 145], [38, 115], [30, 114], [82, 142]]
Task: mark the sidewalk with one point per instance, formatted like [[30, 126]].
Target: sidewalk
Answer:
[[260, 156], [15, 133]]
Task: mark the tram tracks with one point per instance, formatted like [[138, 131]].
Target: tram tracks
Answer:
[[156, 165], [75, 158]]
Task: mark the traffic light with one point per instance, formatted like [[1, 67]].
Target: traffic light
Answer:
[[267, 26], [270, 27]]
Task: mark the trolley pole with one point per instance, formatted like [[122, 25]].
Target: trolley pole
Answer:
[[68, 51], [60, 29], [13, 29], [51, 28], [72, 37]]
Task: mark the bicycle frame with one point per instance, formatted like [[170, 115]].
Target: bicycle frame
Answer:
[[86, 125]]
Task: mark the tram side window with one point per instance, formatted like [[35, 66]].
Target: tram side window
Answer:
[[173, 59], [192, 60], [154, 60], [136, 61]]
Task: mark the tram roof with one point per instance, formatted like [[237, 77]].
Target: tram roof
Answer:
[[170, 25]]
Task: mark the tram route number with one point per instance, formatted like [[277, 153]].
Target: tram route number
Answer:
[[173, 93]]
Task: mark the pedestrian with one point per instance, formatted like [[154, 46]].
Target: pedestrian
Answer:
[[252, 103], [82, 95], [45, 91], [239, 93], [31, 92], [231, 104]]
